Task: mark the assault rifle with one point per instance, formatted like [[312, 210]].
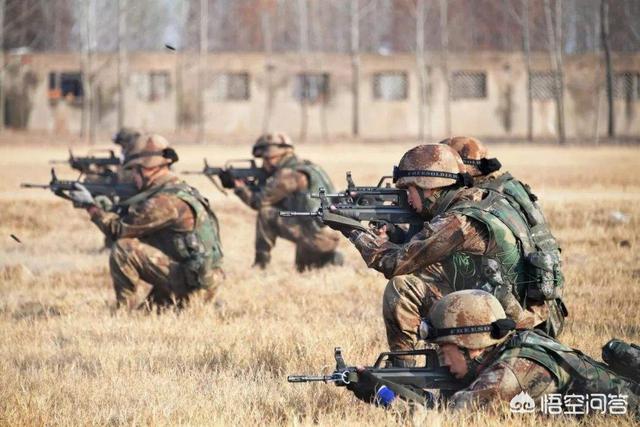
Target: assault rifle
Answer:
[[373, 204], [244, 169], [84, 164], [409, 383], [115, 192]]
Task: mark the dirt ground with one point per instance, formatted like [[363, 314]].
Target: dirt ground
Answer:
[[67, 358]]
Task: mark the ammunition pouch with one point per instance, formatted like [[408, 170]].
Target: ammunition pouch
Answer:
[[545, 280], [194, 260]]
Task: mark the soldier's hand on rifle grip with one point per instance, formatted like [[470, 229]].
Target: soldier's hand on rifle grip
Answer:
[[365, 388], [81, 197], [227, 180]]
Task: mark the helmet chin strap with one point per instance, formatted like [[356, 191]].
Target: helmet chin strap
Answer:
[[472, 365], [427, 202]]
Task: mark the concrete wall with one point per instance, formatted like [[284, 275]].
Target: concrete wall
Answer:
[[502, 113]]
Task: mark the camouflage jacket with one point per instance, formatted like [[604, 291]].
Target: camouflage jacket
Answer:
[[476, 250], [536, 364], [288, 187], [161, 217]]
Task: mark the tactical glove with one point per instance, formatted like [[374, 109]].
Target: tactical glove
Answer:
[[81, 197]]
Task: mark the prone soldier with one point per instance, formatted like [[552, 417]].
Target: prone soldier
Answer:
[[473, 238], [289, 182], [168, 241]]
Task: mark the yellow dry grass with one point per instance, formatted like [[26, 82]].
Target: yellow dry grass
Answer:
[[67, 359]]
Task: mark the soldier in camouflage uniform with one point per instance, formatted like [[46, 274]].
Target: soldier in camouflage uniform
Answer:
[[486, 175], [167, 244], [474, 238], [480, 346], [290, 181]]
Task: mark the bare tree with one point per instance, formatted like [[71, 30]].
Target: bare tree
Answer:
[[202, 68], [2, 75], [526, 46], [267, 34], [421, 67], [444, 36], [604, 33], [303, 28], [86, 64], [554, 31], [122, 60], [354, 15]]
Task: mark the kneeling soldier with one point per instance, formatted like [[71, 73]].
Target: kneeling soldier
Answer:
[[290, 182], [473, 239], [169, 237]]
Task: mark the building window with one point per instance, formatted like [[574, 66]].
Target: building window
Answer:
[[312, 87], [231, 87], [65, 85], [152, 86], [626, 85], [468, 85], [543, 85], [390, 86]]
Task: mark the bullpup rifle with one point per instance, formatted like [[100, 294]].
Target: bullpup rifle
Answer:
[[244, 169], [92, 165], [409, 383], [376, 205], [61, 188]]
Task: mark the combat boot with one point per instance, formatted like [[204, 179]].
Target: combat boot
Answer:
[[261, 260]]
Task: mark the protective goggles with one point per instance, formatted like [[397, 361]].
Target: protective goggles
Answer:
[[498, 329]]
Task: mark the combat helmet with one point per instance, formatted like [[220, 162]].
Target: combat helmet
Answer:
[[430, 166], [125, 137], [474, 155], [471, 319], [272, 145], [150, 150]]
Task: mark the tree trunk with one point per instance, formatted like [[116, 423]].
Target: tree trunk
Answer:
[[267, 36], [202, 68], [555, 46], [303, 27], [122, 61], [526, 44], [355, 66], [2, 65], [444, 35], [604, 33], [87, 79], [421, 68]]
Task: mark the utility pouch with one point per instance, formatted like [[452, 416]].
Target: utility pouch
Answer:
[[193, 259], [545, 277], [623, 358]]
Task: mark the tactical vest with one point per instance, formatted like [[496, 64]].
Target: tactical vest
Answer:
[[302, 201], [526, 253], [198, 251], [574, 371]]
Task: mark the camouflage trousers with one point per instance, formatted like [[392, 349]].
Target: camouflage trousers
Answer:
[[315, 246], [144, 276], [408, 299]]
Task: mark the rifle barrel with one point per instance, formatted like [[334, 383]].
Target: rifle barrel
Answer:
[[27, 185], [192, 173], [291, 213], [309, 378], [58, 162]]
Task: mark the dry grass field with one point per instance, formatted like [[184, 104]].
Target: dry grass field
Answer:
[[67, 358]]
